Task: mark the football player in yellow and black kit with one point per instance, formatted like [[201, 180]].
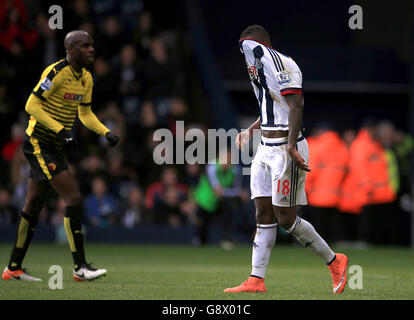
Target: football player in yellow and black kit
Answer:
[[63, 93]]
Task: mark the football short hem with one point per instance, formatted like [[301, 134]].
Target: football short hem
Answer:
[[260, 196], [287, 205]]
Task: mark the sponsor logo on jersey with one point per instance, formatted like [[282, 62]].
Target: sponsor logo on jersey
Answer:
[[283, 78], [46, 84], [72, 96]]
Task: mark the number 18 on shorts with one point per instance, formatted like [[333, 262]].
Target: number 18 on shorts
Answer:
[[273, 174]]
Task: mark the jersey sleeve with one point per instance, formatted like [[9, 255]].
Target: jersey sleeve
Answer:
[[87, 101], [49, 81], [246, 47], [253, 52], [290, 79]]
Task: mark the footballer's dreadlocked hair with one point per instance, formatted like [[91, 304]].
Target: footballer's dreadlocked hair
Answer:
[[257, 31]]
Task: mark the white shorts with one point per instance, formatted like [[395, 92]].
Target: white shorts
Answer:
[[273, 173]]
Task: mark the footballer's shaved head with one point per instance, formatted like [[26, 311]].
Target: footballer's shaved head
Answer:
[[256, 32], [73, 37], [79, 49]]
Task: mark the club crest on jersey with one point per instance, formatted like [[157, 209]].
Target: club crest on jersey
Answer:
[[283, 78], [51, 166], [72, 96], [253, 74], [46, 84]]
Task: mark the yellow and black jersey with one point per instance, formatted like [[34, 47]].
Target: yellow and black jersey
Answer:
[[61, 91]]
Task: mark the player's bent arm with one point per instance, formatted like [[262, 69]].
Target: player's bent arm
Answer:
[[295, 123], [90, 121], [295, 117], [255, 125], [244, 137], [35, 109]]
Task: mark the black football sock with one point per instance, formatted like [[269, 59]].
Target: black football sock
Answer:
[[25, 231], [73, 228]]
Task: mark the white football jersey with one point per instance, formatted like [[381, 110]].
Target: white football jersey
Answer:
[[272, 75]]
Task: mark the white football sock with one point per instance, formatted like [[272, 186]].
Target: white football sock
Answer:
[[263, 243], [306, 234]]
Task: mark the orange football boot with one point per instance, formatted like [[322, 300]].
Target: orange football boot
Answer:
[[20, 274], [252, 284], [338, 272]]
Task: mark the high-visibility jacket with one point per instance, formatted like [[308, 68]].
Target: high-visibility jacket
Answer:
[[367, 180], [328, 157], [381, 188], [355, 185]]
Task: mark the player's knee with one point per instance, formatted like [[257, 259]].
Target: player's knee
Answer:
[[74, 200], [33, 206], [286, 222], [264, 216]]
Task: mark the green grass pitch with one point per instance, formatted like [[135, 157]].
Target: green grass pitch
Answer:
[[192, 273]]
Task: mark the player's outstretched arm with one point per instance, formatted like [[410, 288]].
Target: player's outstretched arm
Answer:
[[295, 123], [90, 121]]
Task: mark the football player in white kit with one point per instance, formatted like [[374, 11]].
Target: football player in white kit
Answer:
[[279, 167]]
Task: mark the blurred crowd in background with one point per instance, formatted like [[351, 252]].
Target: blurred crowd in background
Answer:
[[358, 189]]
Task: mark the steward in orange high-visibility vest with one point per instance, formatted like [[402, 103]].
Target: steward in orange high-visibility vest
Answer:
[[356, 185], [328, 158]]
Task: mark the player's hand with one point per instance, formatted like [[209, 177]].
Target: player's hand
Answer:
[[67, 138], [112, 139], [297, 159], [243, 138]]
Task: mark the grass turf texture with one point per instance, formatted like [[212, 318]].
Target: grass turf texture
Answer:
[[185, 272]]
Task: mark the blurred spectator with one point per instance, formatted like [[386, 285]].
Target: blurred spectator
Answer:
[[348, 136], [89, 27], [129, 82], [175, 110], [10, 148], [404, 146], [159, 73], [8, 213], [380, 215], [110, 39], [77, 13], [148, 170], [353, 196], [367, 188], [49, 47], [143, 34], [217, 196], [100, 206], [140, 145], [19, 175], [90, 167], [14, 25], [105, 84], [134, 212], [120, 178], [171, 209], [155, 194], [328, 158], [5, 106], [193, 172]]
